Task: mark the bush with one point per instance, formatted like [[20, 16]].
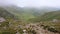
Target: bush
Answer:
[[52, 30], [8, 32], [45, 27], [33, 31], [5, 32]]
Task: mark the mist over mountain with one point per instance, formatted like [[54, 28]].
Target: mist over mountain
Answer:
[[18, 16], [29, 16], [28, 12]]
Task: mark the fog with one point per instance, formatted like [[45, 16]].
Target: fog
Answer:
[[31, 3]]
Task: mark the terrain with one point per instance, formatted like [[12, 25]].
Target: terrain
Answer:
[[29, 20]]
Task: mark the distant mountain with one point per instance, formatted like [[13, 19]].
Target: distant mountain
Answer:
[[23, 13], [27, 13]]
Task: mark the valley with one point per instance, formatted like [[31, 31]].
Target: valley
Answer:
[[17, 20]]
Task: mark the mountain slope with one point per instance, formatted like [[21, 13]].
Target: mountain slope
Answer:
[[5, 14], [28, 13], [51, 15], [23, 13]]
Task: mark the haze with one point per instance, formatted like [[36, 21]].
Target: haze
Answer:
[[31, 3]]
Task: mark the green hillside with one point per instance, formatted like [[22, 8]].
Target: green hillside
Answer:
[[47, 19], [50, 16], [23, 13], [33, 14], [5, 14], [27, 15]]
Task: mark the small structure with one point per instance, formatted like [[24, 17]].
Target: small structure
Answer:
[[2, 19]]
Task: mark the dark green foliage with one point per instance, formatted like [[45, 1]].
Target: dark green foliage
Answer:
[[45, 27], [4, 24], [33, 31], [52, 30], [21, 31], [5, 32], [8, 32]]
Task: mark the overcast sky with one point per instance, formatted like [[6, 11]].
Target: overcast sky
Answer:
[[32, 3]]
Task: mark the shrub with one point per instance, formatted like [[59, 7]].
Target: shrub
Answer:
[[52, 30]]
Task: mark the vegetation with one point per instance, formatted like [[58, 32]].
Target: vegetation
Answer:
[[17, 18]]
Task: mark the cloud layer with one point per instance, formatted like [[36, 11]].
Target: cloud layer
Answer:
[[32, 3]]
